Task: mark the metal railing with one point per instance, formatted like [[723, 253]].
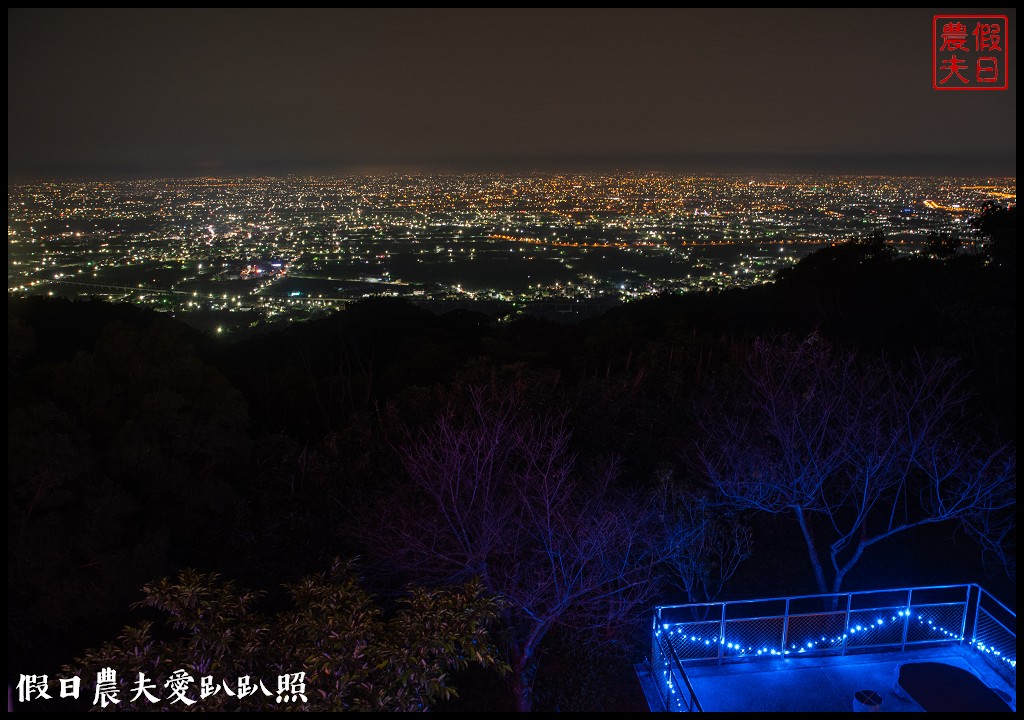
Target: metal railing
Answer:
[[994, 633], [670, 678], [829, 624]]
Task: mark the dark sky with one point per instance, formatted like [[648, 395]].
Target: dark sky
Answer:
[[202, 92]]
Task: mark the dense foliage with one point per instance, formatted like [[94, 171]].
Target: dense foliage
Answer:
[[333, 634]]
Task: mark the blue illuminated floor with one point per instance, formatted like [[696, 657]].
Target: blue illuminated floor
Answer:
[[822, 684]]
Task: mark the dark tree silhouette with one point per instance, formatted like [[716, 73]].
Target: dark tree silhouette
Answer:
[[942, 247], [997, 224], [119, 460], [854, 452], [497, 494]]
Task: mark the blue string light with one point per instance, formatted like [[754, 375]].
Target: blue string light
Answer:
[[748, 650], [989, 650]]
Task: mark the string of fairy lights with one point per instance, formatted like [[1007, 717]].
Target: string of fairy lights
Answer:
[[678, 632]]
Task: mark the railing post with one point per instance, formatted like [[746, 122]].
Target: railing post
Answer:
[[846, 628], [721, 636], [692, 703], [967, 608], [906, 619], [977, 612], [785, 627], [656, 654]]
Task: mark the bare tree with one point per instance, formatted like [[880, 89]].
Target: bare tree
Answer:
[[703, 543], [497, 495], [854, 451]]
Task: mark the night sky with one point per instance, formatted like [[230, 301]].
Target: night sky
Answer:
[[209, 92]]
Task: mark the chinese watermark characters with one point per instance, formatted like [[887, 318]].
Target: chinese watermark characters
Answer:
[[179, 689], [969, 52]]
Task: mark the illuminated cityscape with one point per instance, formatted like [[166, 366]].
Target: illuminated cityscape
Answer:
[[236, 254]]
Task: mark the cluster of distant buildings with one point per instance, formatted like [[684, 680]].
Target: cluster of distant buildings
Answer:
[[245, 251]]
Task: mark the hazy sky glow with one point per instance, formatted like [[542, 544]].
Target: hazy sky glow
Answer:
[[191, 92]]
